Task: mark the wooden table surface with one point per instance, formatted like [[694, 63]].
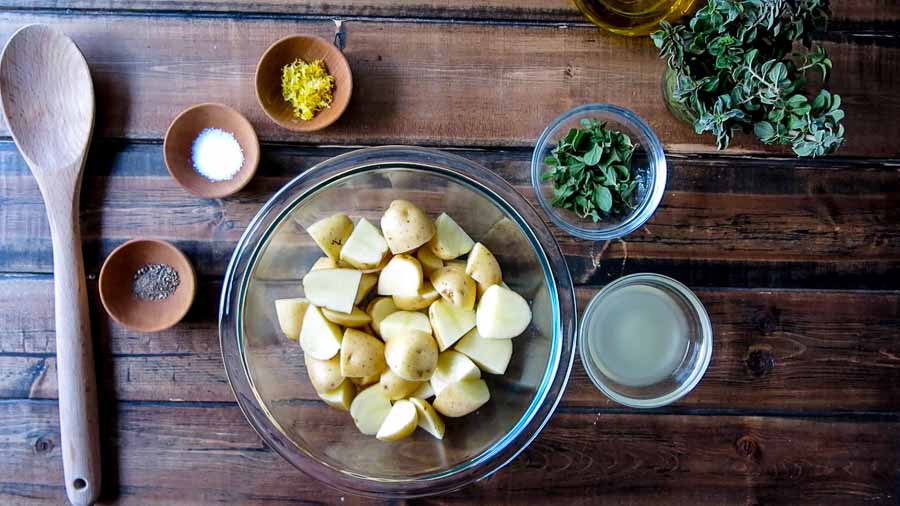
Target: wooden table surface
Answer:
[[798, 262]]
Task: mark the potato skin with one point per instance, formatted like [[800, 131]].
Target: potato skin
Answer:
[[367, 282], [361, 354], [356, 318], [406, 227], [427, 294], [395, 387], [482, 266], [429, 261], [325, 375], [461, 398], [379, 308], [455, 287], [331, 233], [412, 356], [365, 380]]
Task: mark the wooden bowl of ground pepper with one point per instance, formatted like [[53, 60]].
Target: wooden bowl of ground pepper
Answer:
[[147, 285]]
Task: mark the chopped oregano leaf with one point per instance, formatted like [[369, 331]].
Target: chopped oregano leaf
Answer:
[[591, 171]]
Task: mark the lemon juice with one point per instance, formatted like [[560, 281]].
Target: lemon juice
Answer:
[[638, 335]]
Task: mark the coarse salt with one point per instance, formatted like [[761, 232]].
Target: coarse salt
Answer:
[[216, 154]]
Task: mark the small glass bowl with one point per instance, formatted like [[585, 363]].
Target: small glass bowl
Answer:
[[691, 366], [648, 165]]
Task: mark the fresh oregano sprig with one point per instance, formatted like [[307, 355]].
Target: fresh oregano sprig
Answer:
[[743, 65], [591, 171]]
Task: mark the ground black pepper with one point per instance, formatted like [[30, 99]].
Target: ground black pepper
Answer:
[[155, 282]]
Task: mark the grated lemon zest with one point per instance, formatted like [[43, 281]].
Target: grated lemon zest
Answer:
[[307, 87]]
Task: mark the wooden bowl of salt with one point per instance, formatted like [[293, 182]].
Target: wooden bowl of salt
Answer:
[[211, 150]]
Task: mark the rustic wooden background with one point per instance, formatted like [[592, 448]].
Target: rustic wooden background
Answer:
[[798, 262]]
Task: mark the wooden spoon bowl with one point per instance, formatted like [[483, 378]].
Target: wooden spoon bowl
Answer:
[[117, 281], [308, 48], [180, 138]]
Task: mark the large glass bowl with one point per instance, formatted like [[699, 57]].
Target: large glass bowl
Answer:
[[266, 370]]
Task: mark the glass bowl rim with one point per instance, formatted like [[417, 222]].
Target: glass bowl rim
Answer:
[[658, 170], [460, 170], [700, 365]]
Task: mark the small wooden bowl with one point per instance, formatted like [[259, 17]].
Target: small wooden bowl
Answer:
[[309, 48], [181, 135], [117, 278]]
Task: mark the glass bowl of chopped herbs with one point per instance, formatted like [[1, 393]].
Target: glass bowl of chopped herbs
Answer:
[[598, 171]]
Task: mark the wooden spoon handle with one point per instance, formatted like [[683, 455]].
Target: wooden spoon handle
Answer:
[[78, 419]]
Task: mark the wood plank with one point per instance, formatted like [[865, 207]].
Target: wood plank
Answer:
[[154, 454], [726, 221], [431, 83], [843, 11], [782, 351]]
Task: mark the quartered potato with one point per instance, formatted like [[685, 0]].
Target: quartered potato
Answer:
[[369, 409], [319, 338], [502, 313], [365, 248], [491, 355], [366, 283], [400, 422], [335, 289], [379, 309], [428, 419], [458, 265], [324, 263], [450, 240], [324, 375], [482, 266], [461, 398], [356, 318], [412, 356], [403, 322], [290, 314], [452, 366], [341, 397], [331, 233], [424, 392], [401, 276], [365, 380], [361, 354], [449, 322], [406, 227], [427, 294], [455, 287], [395, 387], [428, 260]]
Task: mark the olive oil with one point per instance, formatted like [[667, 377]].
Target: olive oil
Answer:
[[634, 17]]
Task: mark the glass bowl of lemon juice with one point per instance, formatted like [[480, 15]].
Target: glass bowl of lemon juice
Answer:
[[645, 340]]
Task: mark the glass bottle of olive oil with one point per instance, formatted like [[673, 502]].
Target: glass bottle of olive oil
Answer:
[[634, 17]]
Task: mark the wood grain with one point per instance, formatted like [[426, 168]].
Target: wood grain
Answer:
[[782, 351], [869, 11], [580, 458], [726, 221], [427, 83]]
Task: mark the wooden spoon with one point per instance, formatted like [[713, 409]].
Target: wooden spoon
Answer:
[[48, 103]]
